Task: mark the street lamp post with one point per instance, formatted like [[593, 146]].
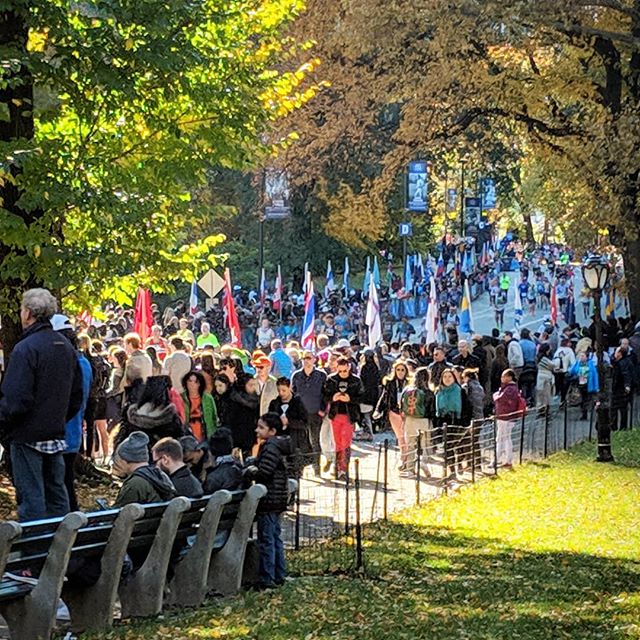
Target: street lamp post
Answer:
[[595, 273], [462, 164]]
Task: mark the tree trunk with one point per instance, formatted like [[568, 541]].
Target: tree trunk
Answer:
[[528, 228], [631, 255], [17, 96]]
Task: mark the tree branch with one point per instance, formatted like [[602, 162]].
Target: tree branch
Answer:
[[582, 30]]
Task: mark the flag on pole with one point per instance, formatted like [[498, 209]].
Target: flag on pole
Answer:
[[365, 283], [193, 299], [230, 313], [304, 282], [610, 310], [466, 319], [308, 323], [376, 271], [419, 269], [408, 275], [263, 288], [518, 311], [143, 317], [570, 315], [553, 311], [345, 277], [331, 285], [277, 296], [372, 318], [431, 321], [440, 266]]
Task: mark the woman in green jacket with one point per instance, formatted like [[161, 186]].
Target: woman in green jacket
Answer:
[[199, 407]]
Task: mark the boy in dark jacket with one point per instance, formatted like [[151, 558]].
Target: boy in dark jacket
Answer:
[[226, 470], [270, 470], [144, 483]]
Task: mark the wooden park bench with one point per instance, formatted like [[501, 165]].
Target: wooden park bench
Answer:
[[189, 548]]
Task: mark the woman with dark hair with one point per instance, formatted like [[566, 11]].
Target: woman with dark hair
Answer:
[[153, 412], [545, 383], [199, 408], [208, 367], [115, 390], [371, 381], [245, 406], [499, 364], [222, 396], [418, 410]]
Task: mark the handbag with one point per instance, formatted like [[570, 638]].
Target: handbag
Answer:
[[327, 443]]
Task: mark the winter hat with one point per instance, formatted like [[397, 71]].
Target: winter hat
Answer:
[[221, 442], [189, 444], [135, 448]]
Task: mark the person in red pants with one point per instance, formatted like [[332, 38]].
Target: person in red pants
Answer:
[[342, 393]]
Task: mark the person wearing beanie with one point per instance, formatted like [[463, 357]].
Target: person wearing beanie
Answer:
[[226, 469], [144, 483], [167, 455]]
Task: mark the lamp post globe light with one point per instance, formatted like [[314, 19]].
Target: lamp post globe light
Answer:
[[595, 273]]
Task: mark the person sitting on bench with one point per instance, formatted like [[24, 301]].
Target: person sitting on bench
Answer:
[[167, 455], [143, 483]]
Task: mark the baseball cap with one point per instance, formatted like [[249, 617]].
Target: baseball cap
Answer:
[[60, 322]]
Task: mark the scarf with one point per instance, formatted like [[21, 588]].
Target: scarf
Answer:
[[449, 401]]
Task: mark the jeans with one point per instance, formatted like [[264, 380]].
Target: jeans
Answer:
[[504, 443], [39, 482], [273, 568]]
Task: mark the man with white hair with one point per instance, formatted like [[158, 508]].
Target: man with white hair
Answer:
[[41, 391], [206, 338]]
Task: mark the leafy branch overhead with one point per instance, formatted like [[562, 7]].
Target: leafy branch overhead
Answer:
[[112, 114]]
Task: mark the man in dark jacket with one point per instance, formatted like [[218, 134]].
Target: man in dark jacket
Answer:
[[225, 471], [342, 392], [168, 456], [41, 391], [144, 483], [308, 383], [621, 386], [270, 470]]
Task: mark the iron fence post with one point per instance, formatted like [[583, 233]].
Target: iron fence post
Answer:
[[418, 456], [524, 414], [566, 421], [495, 445], [386, 479], [445, 477], [547, 417], [359, 559], [472, 433]]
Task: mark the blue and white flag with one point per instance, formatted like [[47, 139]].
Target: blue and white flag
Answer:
[[331, 285], [193, 299], [376, 271], [345, 277], [365, 283], [408, 275]]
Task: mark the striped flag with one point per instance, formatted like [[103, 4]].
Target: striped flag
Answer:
[[440, 266], [308, 323], [553, 311], [345, 277], [376, 271], [263, 288], [518, 309], [466, 318]]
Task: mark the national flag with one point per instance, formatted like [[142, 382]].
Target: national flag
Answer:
[[86, 318], [610, 310], [518, 311], [345, 277], [419, 268], [277, 296], [570, 314], [408, 275], [263, 288], [193, 298], [376, 271], [553, 311], [143, 317], [365, 282], [308, 323], [466, 319], [304, 282], [372, 318], [331, 285], [230, 313], [431, 320], [440, 266]]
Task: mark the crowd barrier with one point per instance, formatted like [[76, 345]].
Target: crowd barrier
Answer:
[[324, 527]]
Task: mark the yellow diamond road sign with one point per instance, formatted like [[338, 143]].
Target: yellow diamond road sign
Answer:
[[211, 283]]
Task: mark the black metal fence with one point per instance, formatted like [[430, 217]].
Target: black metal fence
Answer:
[[323, 528]]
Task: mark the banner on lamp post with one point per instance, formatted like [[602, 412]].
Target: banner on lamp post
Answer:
[[417, 186]]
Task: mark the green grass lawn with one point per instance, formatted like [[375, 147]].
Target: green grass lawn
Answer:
[[550, 550]]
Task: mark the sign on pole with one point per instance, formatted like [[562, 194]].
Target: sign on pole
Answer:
[[276, 194], [405, 229], [417, 185], [211, 283]]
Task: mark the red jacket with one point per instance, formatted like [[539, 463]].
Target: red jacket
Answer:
[[508, 401]]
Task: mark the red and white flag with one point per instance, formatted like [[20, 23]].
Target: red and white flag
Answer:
[[553, 312], [230, 313], [277, 296]]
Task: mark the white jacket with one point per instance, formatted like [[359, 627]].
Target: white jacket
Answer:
[[514, 355]]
